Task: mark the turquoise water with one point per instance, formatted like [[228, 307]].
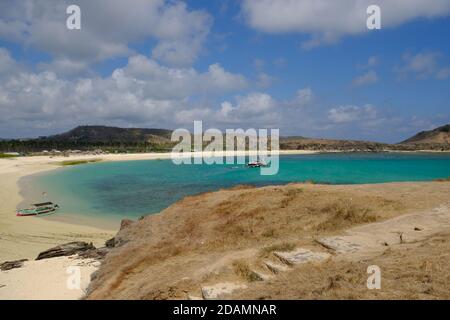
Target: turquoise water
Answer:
[[135, 188]]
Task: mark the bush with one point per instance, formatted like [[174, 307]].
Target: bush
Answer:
[[78, 162]]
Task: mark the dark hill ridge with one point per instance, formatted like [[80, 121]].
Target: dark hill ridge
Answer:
[[110, 139], [104, 134], [114, 139]]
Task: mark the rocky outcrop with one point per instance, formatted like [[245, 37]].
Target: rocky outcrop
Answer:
[[111, 243], [67, 249], [8, 265], [117, 241]]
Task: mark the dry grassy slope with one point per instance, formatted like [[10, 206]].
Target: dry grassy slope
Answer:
[[197, 240], [301, 143], [414, 271], [439, 135]]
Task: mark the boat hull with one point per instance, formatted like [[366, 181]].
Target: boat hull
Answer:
[[30, 214]]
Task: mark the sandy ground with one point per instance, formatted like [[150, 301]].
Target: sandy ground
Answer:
[[50, 279], [27, 236]]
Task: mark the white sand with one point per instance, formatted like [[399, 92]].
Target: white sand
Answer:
[[49, 279]]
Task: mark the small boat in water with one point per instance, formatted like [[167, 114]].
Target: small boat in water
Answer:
[[38, 209], [256, 164]]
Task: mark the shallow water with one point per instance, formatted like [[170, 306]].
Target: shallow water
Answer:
[[131, 189]]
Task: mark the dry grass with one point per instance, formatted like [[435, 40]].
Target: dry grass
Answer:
[[194, 237], [290, 195], [284, 246], [243, 270], [414, 271], [343, 213]]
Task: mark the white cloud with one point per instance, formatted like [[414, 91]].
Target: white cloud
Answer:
[[66, 67], [348, 114], [303, 98], [163, 82], [7, 63], [372, 62], [423, 66], [143, 92], [369, 77], [108, 28], [190, 115], [327, 21], [264, 80], [443, 74], [255, 107], [318, 39]]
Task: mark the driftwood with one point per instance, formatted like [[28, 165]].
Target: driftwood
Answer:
[[8, 265], [67, 249]]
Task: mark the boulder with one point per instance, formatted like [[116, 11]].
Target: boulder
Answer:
[[115, 242], [219, 290], [8, 265], [111, 243], [299, 256], [67, 249]]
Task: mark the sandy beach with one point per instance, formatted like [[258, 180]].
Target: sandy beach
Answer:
[[52, 275], [196, 225], [22, 238]]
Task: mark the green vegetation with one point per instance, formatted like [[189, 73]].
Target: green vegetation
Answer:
[[91, 138], [4, 156], [78, 162]]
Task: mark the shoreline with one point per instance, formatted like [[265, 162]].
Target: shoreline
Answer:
[[109, 223], [27, 236], [29, 195]]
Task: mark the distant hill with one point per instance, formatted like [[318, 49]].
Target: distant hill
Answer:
[[439, 135], [302, 143], [437, 139], [105, 135], [111, 139], [114, 139]]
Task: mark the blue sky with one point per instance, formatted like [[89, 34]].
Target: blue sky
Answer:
[[232, 64]]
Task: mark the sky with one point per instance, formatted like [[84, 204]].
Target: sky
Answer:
[[308, 67]]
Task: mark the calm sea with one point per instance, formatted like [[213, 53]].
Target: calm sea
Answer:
[[131, 189]]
